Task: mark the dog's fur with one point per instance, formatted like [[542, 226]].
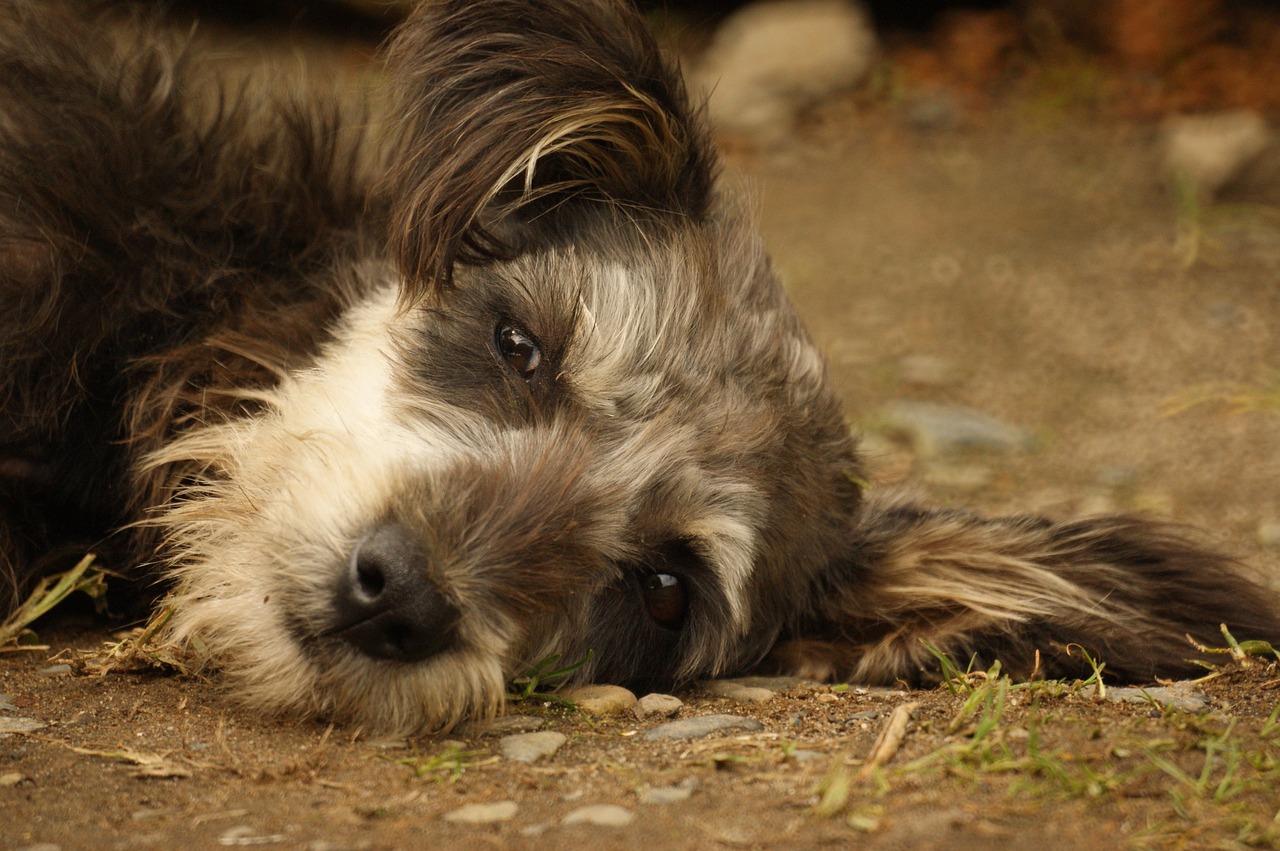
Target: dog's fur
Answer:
[[400, 418]]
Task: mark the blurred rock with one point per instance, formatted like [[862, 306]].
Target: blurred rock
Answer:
[[926, 370], [600, 815], [531, 747], [1209, 151], [661, 705], [601, 699], [770, 60], [936, 429], [483, 813], [1184, 696], [701, 726], [737, 692]]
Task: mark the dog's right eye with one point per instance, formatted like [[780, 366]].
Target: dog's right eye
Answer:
[[665, 599], [519, 349]]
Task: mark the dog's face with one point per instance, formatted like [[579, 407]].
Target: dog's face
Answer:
[[599, 428]]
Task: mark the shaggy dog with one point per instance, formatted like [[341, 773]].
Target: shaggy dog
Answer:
[[399, 414]]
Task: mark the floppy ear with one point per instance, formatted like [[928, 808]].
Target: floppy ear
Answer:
[[510, 108], [1024, 590]]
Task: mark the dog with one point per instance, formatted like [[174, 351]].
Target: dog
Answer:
[[397, 408]]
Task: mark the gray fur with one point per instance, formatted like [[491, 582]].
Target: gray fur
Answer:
[[529, 387]]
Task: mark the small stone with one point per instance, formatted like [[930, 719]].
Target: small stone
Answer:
[[660, 705], [682, 791], [601, 699], [483, 813], [245, 835], [11, 778], [530, 747], [926, 371], [501, 726], [601, 815], [737, 692], [1180, 697], [701, 726], [938, 429], [769, 61], [54, 670], [1207, 152], [20, 725]]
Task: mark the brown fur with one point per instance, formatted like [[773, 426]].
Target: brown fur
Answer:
[[399, 417]]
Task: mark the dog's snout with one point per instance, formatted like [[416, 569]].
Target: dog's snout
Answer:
[[387, 606]]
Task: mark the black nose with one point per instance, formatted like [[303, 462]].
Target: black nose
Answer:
[[386, 606]]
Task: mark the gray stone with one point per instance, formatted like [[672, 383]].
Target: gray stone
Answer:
[[601, 815], [483, 813], [20, 725], [1181, 697], [501, 726], [601, 699], [661, 705], [681, 791], [771, 60], [703, 725], [530, 747], [737, 692], [938, 429]]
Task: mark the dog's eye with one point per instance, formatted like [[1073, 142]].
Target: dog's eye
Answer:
[[665, 599], [519, 349]]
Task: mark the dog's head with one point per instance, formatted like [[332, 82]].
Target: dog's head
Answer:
[[573, 411]]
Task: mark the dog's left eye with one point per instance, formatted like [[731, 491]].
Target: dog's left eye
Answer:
[[665, 599], [519, 349]]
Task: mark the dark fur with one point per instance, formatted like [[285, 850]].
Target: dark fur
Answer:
[[170, 250]]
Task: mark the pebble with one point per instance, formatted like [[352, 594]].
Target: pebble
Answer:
[[771, 60], [11, 778], [483, 813], [601, 699], [530, 747], [935, 428], [926, 370], [737, 692], [1180, 697], [682, 791], [1209, 151], [20, 725], [703, 725], [501, 726], [54, 670], [660, 705], [601, 815]]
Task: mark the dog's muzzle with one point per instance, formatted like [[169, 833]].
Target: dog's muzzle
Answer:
[[386, 606]]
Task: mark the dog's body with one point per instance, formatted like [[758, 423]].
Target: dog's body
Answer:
[[402, 420]]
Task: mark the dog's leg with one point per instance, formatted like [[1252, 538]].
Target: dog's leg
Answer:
[[1024, 590]]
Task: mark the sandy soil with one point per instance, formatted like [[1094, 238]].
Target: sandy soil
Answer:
[[1028, 262]]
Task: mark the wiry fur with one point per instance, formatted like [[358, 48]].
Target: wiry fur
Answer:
[[239, 341]]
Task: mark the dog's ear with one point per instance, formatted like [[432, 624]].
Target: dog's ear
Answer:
[[509, 109], [1030, 593]]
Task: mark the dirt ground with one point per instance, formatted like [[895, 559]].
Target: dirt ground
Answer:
[[1028, 261]]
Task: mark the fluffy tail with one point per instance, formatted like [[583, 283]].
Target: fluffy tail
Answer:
[[1026, 591]]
